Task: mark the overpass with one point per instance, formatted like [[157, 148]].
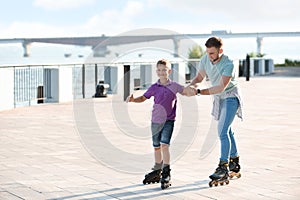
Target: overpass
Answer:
[[99, 44]]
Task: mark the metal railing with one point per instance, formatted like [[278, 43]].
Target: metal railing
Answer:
[[35, 84]]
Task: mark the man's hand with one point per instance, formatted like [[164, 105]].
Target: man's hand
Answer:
[[189, 91]]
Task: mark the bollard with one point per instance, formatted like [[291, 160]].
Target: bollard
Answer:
[[40, 94], [247, 67], [101, 90]]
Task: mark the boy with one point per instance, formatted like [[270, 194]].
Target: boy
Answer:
[[163, 116]]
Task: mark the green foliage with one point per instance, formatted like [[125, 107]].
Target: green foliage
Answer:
[[289, 63], [195, 52], [256, 55]]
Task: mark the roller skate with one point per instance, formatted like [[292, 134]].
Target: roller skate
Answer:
[[220, 176], [152, 177], [234, 167], [165, 177]]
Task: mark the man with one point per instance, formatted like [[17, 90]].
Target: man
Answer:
[[219, 69]]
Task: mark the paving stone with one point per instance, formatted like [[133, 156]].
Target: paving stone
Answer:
[[43, 154]]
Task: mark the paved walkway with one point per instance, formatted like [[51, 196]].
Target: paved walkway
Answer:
[[56, 151]]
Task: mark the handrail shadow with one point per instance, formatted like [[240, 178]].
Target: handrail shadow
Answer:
[[145, 193]]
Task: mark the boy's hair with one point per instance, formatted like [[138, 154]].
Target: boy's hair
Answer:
[[214, 42], [164, 62]]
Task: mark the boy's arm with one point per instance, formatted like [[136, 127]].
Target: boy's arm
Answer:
[[136, 100]]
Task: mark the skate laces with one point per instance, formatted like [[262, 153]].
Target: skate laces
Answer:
[[222, 167]]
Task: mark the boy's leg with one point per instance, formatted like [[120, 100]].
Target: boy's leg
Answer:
[[157, 158], [156, 138], [165, 154], [155, 175], [166, 135]]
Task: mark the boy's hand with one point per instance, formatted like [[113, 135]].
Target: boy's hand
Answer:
[[192, 91], [130, 98]]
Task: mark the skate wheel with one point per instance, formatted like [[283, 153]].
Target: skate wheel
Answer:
[[239, 175], [165, 185], [227, 182], [210, 184], [222, 183], [216, 184], [144, 182]]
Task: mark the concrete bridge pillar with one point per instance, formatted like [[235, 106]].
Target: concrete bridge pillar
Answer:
[[259, 45], [26, 47], [176, 47], [100, 51]]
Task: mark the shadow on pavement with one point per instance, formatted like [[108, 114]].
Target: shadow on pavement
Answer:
[[142, 191]]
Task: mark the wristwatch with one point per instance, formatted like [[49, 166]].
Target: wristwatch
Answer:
[[198, 92]]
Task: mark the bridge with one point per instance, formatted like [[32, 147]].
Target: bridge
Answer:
[[100, 44]]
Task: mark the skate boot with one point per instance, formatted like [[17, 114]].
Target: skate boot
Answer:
[[220, 176], [165, 177], [234, 167], [152, 177]]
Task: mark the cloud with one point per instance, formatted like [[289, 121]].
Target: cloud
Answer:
[[30, 30], [256, 14], [113, 21], [109, 22], [61, 4], [188, 16], [133, 8]]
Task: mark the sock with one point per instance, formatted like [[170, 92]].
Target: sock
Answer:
[[157, 166]]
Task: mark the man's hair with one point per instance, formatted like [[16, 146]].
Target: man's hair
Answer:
[[164, 62], [214, 42]]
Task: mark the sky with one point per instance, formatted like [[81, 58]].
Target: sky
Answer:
[[74, 18], [50, 18]]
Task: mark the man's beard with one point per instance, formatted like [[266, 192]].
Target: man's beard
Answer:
[[214, 60]]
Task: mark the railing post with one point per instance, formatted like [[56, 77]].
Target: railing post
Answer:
[[247, 67], [96, 75], [15, 104], [83, 81]]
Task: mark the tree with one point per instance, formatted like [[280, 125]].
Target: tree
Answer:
[[196, 52], [256, 55]]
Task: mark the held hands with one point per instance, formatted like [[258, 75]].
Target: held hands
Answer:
[[190, 91]]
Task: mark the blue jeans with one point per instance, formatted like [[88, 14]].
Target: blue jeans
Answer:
[[162, 133], [228, 111]]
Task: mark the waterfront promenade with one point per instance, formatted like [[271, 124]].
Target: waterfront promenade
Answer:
[[43, 154]]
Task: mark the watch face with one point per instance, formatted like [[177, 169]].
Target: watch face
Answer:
[[198, 91]]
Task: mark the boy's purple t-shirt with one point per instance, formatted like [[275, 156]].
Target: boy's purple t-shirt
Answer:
[[164, 107]]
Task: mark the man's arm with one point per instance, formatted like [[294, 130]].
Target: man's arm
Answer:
[[218, 88], [198, 78]]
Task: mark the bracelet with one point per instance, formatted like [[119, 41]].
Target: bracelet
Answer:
[[198, 92]]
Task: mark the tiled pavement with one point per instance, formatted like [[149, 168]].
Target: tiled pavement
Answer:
[[54, 151]]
